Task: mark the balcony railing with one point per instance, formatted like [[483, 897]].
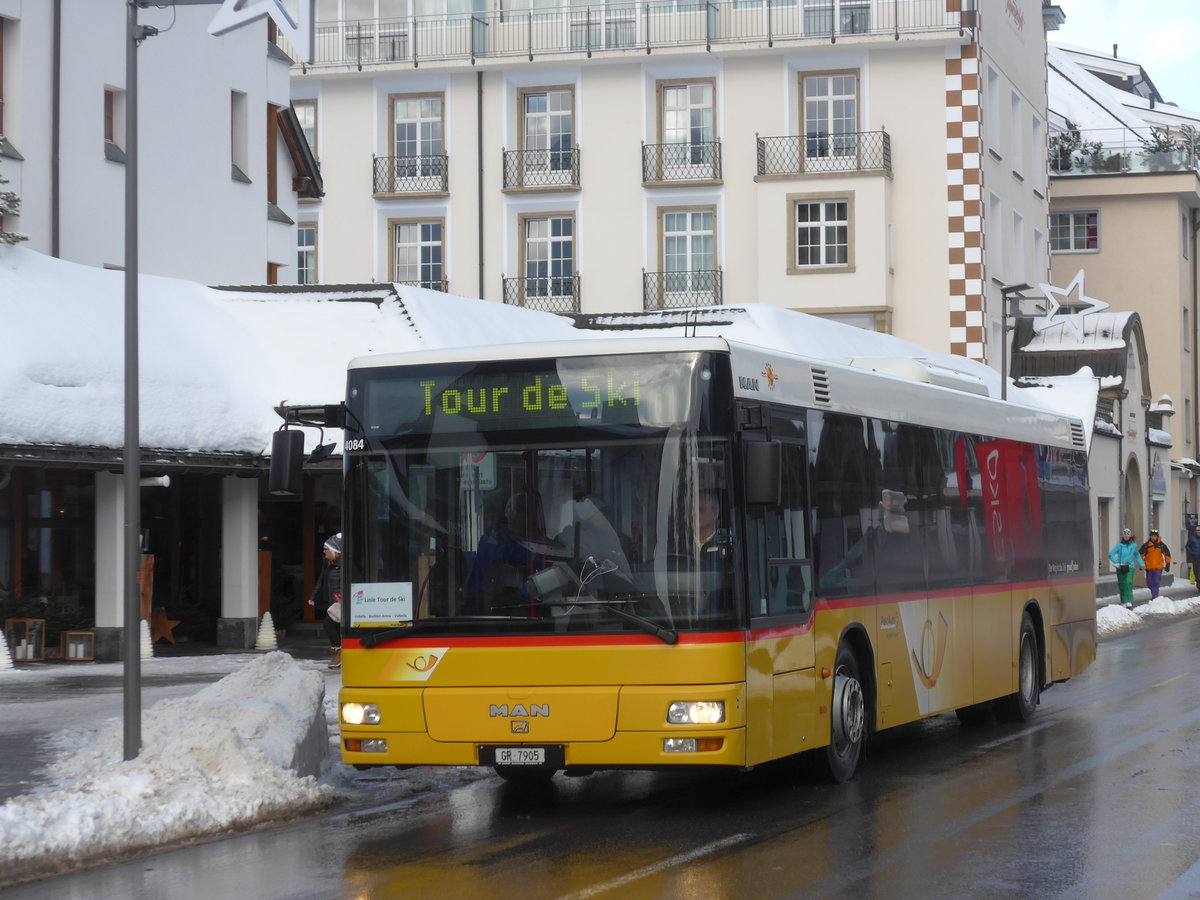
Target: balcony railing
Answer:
[[620, 25], [549, 293], [410, 174], [699, 161], [433, 284], [541, 168], [671, 290], [1119, 151], [864, 151]]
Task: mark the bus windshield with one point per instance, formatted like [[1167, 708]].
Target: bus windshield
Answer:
[[545, 496]]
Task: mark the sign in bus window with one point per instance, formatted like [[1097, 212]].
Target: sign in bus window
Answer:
[[382, 604]]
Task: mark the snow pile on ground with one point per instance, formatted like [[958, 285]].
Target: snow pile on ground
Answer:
[[213, 761], [1114, 620]]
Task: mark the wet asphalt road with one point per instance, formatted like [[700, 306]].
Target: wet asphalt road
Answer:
[[1096, 798]]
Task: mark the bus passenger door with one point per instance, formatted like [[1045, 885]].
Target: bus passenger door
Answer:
[[780, 650]]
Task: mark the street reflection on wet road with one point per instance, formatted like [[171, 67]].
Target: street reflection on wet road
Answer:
[[1095, 798]]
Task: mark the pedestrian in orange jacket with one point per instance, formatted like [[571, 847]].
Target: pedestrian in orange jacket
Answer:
[[1157, 557]]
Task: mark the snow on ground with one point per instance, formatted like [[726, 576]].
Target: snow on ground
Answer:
[[217, 760], [1175, 603]]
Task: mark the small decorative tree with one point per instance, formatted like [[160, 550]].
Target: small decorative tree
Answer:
[[1189, 141], [10, 205], [1063, 145]]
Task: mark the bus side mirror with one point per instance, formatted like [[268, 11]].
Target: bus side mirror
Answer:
[[287, 460], [763, 472]]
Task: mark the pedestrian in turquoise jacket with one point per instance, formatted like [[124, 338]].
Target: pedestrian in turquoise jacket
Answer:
[[1125, 555]]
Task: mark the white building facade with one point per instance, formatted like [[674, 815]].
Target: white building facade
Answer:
[[221, 165], [880, 162], [215, 178]]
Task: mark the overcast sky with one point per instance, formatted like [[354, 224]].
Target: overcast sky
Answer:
[[1162, 35]]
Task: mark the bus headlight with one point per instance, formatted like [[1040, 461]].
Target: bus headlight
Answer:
[[360, 714], [696, 712]]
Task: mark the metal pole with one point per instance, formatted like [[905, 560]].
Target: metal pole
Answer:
[[1003, 346], [131, 474]]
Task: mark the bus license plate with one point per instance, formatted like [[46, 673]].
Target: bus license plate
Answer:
[[520, 756]]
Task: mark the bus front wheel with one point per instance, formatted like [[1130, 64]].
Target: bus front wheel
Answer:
[[847, 719], [1019, 707]]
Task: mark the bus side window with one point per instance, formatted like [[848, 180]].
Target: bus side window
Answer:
[[788, 588]]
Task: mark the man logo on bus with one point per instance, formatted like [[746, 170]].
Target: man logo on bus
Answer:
[[771, 375]]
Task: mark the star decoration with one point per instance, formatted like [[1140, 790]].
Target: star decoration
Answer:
[[297, 27], [161, 626], [1074, 319]]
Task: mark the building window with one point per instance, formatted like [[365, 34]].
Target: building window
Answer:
[[272, 151], [1183, 233], [306, 253], [110, 115], [852, 16], [1017, 250], [995, 237], [306, 114], [114, 124], [417, 142], [689, 251], [1187, 330], [819, 226], [1037, 143], [991, 111], [238, 136], [547, 133], [1015, 143], [830, 114], [686, 117], [418, 253], [548, 256], [1075, 232]]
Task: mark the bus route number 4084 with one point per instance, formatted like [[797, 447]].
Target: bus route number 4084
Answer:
[[520, 756]]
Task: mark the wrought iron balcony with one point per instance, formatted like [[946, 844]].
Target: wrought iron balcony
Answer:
[[699, 161], [541, 168], [549, 293], [671, 290], [410, 174], [862, 151], [621, 25], [433, 284]]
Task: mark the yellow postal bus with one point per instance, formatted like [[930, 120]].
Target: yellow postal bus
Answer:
[[665, 552]]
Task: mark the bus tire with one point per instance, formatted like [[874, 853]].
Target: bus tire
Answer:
[[847, 718], [1020, 706]]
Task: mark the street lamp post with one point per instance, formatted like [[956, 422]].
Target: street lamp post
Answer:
[[1009, 294]]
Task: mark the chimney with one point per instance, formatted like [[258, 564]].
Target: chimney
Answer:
[[1114, 51]]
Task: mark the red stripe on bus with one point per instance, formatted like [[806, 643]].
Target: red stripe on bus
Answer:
[[597, 640]]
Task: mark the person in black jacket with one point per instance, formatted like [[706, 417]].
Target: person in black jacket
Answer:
[[327, 597]]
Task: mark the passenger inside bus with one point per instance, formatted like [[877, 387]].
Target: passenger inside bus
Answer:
[[506, 555]]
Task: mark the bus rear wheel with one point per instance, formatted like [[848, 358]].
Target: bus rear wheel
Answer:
[[847, 719], [1020, 706]]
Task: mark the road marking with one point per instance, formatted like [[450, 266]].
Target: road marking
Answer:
[[660, 866]]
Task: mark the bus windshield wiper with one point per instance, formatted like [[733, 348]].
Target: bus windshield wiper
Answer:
[[375, 638], [666, 635]]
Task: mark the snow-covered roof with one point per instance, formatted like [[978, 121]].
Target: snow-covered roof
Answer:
[[214, 362], [1099, 109], [1096, 331]]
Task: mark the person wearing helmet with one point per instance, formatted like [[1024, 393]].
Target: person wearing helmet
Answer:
[[1157, 557], [1125, 556], [327, 597]]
